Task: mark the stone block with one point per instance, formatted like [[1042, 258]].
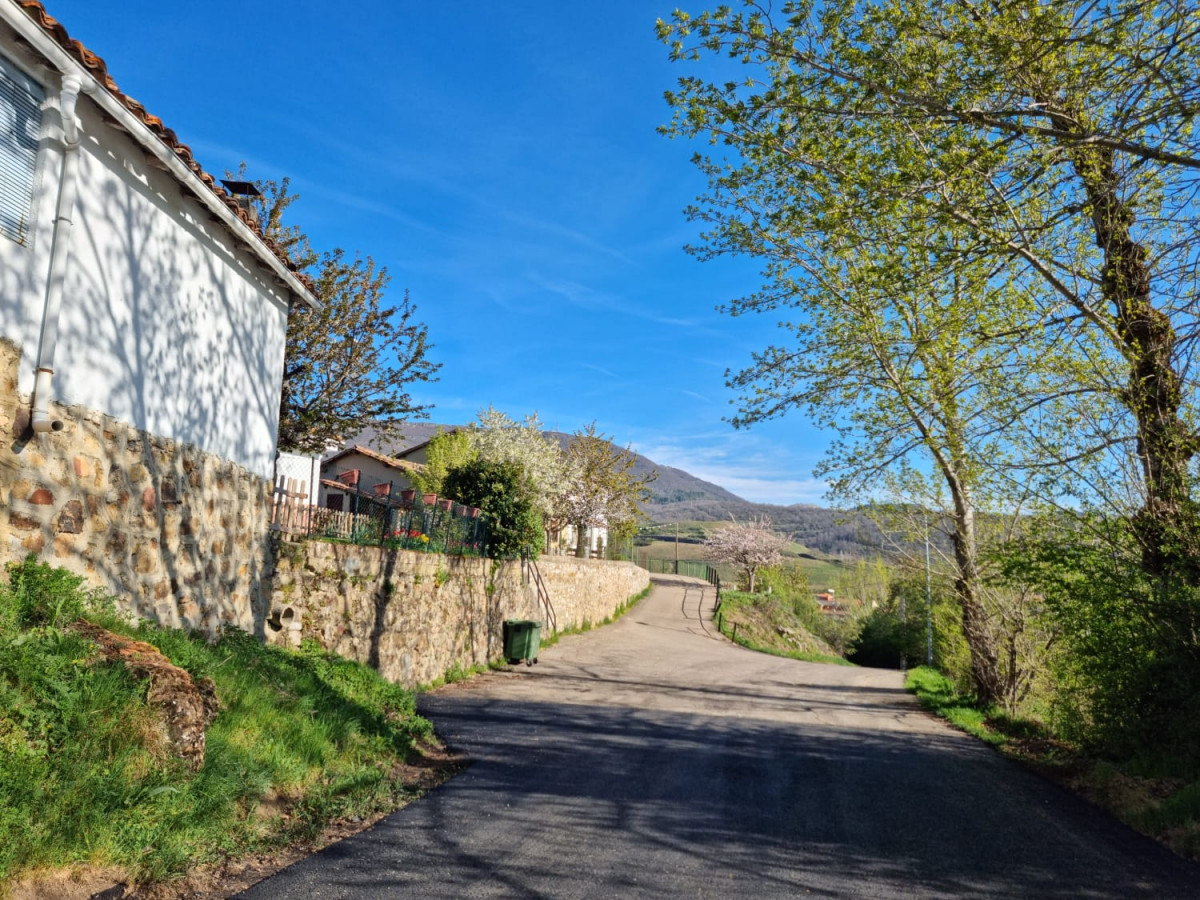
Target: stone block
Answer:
[[22, 522], [42, 497], [145, 560], [70, 518], [117, 543], [65, 546]]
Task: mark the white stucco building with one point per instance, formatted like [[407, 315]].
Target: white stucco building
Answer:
[[123, 269], [142, 326]]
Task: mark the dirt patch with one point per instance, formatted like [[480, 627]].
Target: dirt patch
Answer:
[[187, 706], [423, 772], [75, 883]]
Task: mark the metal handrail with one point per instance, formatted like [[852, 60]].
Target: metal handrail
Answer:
[[543, 594]]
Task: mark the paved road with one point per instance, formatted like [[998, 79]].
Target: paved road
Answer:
[[652, 758]]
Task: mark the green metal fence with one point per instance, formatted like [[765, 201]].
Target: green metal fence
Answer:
[[689, 567]]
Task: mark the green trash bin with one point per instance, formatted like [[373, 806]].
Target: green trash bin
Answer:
[[522, 640]]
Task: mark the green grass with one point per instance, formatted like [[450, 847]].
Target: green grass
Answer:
[[755, 621], [938, 694], [87, 778], [822, 572]]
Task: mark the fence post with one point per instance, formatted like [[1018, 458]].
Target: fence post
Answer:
[[387, 516]]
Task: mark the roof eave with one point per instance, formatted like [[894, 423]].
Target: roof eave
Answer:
[[30, 31]]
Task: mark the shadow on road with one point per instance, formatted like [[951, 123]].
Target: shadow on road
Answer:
[[581, 801]]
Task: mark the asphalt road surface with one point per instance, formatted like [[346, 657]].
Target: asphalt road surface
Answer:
[[653, 758]]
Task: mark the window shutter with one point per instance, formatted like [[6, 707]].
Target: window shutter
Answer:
[[20, 122]]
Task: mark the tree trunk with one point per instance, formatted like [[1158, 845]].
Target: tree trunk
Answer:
[[1167, 526], [581, 546], [986, 676], [985, 664]]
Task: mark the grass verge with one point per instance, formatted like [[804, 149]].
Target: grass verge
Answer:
[[759, 622], [87, 777]]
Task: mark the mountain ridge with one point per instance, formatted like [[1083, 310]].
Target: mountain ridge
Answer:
[[679, 496]]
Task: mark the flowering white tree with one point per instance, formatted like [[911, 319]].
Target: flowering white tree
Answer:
[[497, 438], [601, 487], [750, 546]]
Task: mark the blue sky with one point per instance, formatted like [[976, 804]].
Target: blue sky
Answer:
[[501, 160]]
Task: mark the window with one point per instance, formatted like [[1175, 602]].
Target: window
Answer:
[[20, 121]]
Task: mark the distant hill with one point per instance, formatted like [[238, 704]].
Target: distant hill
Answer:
[[681, 497]]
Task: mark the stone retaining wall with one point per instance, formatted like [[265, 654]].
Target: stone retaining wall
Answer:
[[178, 535], [414, 616]]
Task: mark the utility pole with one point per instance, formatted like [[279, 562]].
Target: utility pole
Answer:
[[928, 604], [676, 548]]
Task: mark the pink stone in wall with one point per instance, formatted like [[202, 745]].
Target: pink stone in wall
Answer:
[[148, 499], [42, 497]]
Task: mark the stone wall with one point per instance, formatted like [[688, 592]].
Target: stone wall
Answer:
[[178, 535], [414, 616]]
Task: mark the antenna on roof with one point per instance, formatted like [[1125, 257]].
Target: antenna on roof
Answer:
[[244, 193]]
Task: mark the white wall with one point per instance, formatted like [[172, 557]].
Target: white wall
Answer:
[[167, 323]]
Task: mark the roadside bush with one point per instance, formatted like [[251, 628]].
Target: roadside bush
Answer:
[[503, 492], [887, 642], [40, 594], [1127, 674]]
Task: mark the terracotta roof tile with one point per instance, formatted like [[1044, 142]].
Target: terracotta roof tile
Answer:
[[371, 454], [99, 71]]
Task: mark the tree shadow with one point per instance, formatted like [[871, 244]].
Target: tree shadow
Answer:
[[583, 801]]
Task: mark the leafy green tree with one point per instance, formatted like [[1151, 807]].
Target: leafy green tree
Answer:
[[1056, 141], [508, 500], [601, 487], [447, 450], [790, 586], [1124, 682], [349, 364]]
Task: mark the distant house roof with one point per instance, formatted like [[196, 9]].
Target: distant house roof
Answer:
[[408, 451], [411, 436], [202, 184], [403, 464]]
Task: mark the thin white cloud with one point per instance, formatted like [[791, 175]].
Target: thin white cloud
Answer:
[[599, 369], [586, 298]]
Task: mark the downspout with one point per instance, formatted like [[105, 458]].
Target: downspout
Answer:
[[68, 189]]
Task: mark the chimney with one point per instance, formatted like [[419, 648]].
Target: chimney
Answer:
[[244, 193]]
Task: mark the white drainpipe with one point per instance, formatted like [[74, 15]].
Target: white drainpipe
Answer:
[[68, 189]]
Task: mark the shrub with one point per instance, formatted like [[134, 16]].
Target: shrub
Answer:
[[44, 595], [508, 501]]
